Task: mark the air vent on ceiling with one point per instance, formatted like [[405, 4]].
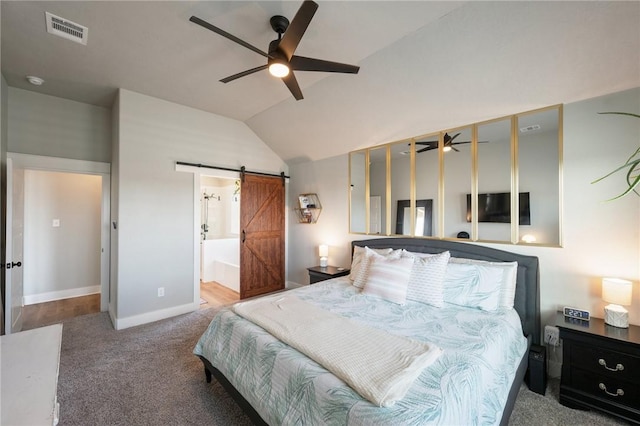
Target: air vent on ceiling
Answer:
[[529, 128], [66, 29]]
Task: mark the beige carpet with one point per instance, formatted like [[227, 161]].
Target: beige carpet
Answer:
[[147, 375]]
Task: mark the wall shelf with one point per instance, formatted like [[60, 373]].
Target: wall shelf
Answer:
[[308, 208]]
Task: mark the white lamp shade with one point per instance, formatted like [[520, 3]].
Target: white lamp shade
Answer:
[[323, 250], [616, 291]]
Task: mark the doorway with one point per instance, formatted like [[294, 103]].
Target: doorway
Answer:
[[65, 240], [219, 240], [261, 226]]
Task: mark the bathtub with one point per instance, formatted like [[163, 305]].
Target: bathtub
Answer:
[[220, 262]]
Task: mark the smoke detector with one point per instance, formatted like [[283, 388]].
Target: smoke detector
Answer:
[[36, 81], [529, 128], [66, 29]]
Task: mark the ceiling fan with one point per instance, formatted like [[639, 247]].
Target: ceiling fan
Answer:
[[448, 144], [281, 60]]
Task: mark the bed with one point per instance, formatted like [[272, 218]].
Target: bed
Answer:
[[474, 380]]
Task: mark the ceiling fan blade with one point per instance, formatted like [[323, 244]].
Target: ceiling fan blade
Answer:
[[455, 149], [452, 138], [300, 63], [292, 84], [243, 73], [225, 34], [429, 148], [297, 27]]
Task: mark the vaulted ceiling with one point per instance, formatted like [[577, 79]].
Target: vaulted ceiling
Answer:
[[425, 66]]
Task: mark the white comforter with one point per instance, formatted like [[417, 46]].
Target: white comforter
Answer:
[[378, 365], [467, 385]]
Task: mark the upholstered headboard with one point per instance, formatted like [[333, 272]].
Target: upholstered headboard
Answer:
[[527, 299]]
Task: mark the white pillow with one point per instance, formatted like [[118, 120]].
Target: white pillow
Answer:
[[363, 269], [481, 284], [358, 254], [388, 278], [416, 254], [427, 277]]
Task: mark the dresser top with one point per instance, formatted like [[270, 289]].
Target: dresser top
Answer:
[[597, 326]]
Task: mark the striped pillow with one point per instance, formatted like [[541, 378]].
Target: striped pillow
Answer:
[[358, 255], [388, 278], [427, 277], [363, 269]]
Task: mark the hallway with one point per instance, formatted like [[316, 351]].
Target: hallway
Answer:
[[41, 314]]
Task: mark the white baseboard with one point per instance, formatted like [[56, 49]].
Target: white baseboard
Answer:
[[132, 321], [50, 296], [291, 285]]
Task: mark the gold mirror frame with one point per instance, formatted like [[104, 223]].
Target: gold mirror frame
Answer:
[[387, 227]]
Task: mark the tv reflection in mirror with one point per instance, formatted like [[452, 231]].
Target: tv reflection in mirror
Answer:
[[496, 207], [423, 217]]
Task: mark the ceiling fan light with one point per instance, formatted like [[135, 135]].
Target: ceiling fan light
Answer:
[[446, 148], [278, 69]]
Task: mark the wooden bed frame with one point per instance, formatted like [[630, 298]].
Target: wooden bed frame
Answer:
[[526, 303]]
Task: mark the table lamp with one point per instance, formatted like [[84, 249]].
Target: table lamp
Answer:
[[617, 292], [323, 251]]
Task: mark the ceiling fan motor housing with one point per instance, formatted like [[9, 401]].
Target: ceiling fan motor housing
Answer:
[[279, 24]]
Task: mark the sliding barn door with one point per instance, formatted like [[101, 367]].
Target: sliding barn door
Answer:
[[261, 235]]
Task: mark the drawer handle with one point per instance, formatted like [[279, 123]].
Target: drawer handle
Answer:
[[619, 392], [619, 367]]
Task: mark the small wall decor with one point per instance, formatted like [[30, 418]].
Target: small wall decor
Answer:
[[308, 208]]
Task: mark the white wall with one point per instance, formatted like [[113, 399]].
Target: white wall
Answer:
[[155, 213], [55, 127], [61, 261], [600, 238]]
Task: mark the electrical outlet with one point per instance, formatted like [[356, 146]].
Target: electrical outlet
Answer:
[[551, 335], [160, 291]]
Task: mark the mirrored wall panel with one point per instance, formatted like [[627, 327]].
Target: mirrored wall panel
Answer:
[[427, 172], [493, 198], [457, 162], [539, 142], [494, 181], [400, 188], [358, 191], [378, 190]]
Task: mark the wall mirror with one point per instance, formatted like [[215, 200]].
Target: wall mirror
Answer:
[[377, 190], [493, 216], [494, 181], [457, 165], [400, 174], [427, 175], [538, 163], [358, 191]]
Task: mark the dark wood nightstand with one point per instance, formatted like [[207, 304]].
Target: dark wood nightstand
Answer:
[[319, 273], [600, 367]]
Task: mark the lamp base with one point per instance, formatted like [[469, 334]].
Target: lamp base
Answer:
[[323, 262], [616, 316]]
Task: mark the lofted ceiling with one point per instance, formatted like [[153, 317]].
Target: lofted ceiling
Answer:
[[424, 65]]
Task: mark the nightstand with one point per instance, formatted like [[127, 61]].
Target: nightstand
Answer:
[[319, 273], [600, 367]]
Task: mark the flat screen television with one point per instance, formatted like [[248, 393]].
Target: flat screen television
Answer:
[[496, 207]]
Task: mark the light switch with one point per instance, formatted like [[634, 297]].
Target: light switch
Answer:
[[56, 223]]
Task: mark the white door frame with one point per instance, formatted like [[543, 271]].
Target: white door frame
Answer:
[[67, 165], [197, 173]]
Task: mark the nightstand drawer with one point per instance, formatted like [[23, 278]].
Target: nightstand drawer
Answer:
[[618, 391], [608, 363]]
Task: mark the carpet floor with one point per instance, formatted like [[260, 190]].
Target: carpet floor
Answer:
[[148, 375]]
